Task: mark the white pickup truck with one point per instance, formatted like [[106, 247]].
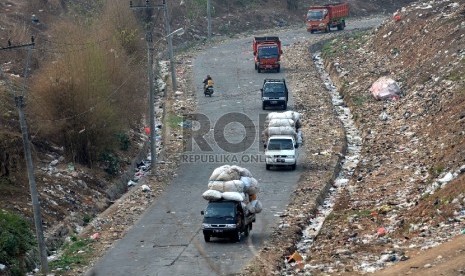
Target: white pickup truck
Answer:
[[282, 137], [281, 150]]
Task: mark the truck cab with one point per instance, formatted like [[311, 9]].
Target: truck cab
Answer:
[[281, 150], [274, 92], [267, 53], [226, 219], [323, 18]]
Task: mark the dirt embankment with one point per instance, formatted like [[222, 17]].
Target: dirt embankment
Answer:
[[407, 194]]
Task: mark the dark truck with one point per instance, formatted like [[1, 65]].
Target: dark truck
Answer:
[[226, 219], [274, 93]]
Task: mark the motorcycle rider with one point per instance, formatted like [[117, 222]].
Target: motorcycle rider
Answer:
[[208, 82]]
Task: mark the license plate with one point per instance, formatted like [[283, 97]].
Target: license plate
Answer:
[[274, 102], [218, 231], [280, 160]]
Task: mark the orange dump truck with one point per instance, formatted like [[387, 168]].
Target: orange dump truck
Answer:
[[267, 53], [323, 18]]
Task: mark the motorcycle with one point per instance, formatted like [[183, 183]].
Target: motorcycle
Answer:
[[208, 91]]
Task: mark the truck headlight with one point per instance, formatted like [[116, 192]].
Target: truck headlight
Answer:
[[322, 24], [230, 226], [206, 225], [291, 156]]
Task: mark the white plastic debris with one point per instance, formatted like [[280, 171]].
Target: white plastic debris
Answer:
[[385, 89], [145, 188]]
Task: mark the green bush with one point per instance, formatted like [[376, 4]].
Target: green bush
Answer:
[[123, 140], [111, 162], [16, 239], [73, 253]]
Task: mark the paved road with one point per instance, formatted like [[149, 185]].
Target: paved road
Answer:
[[168, 239]]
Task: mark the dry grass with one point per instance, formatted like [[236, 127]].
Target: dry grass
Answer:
[[88, 91]]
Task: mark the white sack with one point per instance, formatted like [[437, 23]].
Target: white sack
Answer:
[[278, 115], [253, 188], [258, 206], [235, 196], [246, 181], [218, 171], [227, 186], [216, 185], [300, 140], [245, 198], [227, 175], [385, 89], [293, 115], [279, 131], [281, 123], [242, 171], [284, 115], [211, 195], [255, 206]]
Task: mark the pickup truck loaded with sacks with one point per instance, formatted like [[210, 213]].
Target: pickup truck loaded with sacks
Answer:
[[232, 203], [282, 137]]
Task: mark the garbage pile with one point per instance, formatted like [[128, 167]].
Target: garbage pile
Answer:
[[234, 183]]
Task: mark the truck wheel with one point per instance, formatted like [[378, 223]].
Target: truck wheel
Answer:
[[256, 66], [259, 70], [263, 106], [285, 106], [206, 237], [237, 236], [293, 167], [312, 31], [267, 167], [278, 69], [247, 230]]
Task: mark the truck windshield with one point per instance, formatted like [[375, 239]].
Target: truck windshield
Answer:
[[280, 144], [316, 14], [219, 210], [268, 51], [274, 89]]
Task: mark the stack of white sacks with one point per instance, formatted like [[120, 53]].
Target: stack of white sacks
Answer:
[[283, 123], [234, 183]]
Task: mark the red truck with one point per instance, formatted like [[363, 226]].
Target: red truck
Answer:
[[267, 52], [323, 18]]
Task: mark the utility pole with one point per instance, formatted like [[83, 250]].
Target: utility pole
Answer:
[[209, 16], [19, 100], [149, 40], [170, 46]]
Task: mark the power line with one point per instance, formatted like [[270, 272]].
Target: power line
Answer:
[[150, 48], [19, 100], [74, 44]]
